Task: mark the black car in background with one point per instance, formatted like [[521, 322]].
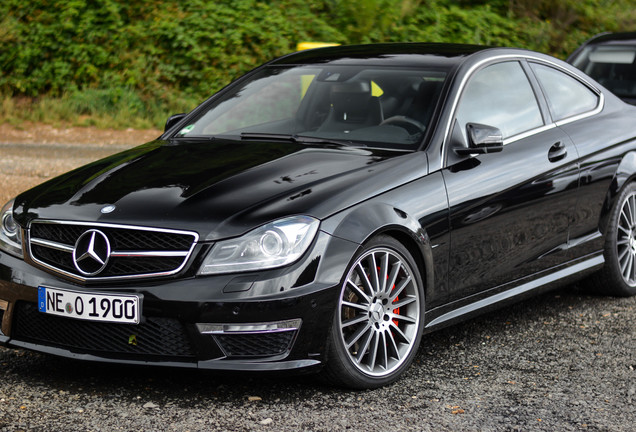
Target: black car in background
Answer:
[[610, 58], [325, 211]]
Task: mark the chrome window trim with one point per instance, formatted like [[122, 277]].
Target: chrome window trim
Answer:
[[65, 248], [581, 116], [531, 132]]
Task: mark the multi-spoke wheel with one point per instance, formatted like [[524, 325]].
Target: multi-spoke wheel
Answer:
[[618, 276], [626, 239], [376, 328]]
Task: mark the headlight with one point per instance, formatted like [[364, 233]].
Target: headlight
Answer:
[[10, 233], [273, 245]]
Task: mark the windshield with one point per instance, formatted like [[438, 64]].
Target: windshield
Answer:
[[611, 65], [379, 107]]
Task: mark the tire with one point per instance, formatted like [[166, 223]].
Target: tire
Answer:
[[377, 324], [618, 276]]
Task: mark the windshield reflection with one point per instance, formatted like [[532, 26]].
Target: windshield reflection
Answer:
[[388, 107]]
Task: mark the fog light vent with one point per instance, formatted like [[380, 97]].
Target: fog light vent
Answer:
[[265, 339], [256, 345]]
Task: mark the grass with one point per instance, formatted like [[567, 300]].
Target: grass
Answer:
[[103, 108]]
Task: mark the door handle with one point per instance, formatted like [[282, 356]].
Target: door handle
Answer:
[[557, 152]]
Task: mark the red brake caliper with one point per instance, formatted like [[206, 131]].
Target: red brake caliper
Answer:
[[397, 310]]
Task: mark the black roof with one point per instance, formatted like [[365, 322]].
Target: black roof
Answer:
[[611, 38], [407, 54], [624, 38]]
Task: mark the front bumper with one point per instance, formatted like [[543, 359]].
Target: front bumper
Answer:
[[244, 310]]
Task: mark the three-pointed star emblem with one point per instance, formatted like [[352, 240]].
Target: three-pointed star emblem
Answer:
[[91, 252]]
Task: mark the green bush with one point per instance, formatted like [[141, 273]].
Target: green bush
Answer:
[[120, 59], [52, 47]]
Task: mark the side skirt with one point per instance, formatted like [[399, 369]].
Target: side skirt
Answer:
[[550, 280]]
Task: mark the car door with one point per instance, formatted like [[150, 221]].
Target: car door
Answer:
[[509, 211], [576, 108]]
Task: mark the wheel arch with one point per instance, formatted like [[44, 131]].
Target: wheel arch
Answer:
[[377, 228], [625, 174], [368, 221]]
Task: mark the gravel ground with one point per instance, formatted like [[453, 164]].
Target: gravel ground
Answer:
[[563, 361]]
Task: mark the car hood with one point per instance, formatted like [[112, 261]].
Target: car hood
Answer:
[[218, 188]]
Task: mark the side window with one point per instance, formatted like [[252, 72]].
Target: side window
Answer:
[[566, 96], [500, 95]]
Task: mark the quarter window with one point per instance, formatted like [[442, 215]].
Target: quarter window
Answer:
[[500, 95], [566, 96]]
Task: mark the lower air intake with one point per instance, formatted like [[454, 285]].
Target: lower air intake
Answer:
[[257, 344], [161, 337]]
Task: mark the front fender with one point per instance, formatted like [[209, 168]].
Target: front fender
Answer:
[[371, 219], [416, 214]]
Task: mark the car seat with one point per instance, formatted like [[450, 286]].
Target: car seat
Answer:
[[352, 107]]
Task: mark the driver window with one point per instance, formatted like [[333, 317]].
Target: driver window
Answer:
[[500, 95]]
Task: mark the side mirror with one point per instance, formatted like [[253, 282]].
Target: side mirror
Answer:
[[482, 139], [173, 120]]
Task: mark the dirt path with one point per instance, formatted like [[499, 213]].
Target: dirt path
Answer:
[[35, 152], [36, 133]]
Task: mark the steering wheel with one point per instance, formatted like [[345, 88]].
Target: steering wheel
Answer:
[[411, 125]]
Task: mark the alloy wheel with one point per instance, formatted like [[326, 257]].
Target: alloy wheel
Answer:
[[626, 240], [379, 312]]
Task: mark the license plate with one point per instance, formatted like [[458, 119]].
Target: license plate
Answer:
[[89, 306]]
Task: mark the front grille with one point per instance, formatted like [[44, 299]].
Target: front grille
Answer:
[[257, 344], [66, 234], [156, 336], [133, 251]]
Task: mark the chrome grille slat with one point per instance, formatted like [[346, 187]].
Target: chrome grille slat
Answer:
[[147, 254], [136, 252], [52, 245]]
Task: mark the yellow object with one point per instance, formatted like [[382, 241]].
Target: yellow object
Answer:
[[376, 90], [311, 45], [305, 81]]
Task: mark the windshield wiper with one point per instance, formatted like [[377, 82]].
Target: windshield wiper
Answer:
[[298, 139]]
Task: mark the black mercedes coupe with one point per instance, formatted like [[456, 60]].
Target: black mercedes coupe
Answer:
[[325, 211]]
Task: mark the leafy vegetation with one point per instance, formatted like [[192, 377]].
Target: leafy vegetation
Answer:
[[121, 63]]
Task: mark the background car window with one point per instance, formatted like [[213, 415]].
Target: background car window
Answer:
[[612, 66], [566, 96], [500, 95]]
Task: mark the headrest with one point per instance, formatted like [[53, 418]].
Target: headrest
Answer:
[[351, 100]]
